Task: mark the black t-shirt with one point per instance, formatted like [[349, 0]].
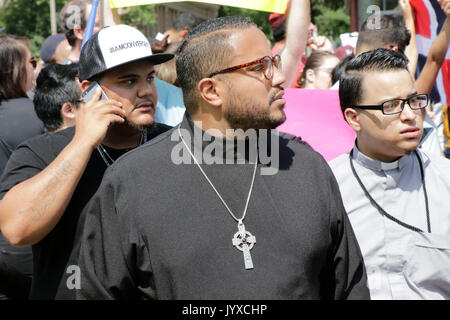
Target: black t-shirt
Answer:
[[18, 122], [52, 253]]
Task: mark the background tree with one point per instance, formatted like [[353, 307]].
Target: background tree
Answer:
[[260, 18], [329, 16], [140, 17], [30, 19]]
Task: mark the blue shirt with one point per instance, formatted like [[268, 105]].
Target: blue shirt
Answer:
[[170, 108]]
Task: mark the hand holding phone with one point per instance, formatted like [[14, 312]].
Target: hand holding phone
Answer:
[[95, 116]]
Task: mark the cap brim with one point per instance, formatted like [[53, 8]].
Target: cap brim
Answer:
[[158, 58]]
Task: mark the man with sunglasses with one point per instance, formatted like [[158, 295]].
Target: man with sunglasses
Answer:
[[396, 195], [216, 229]]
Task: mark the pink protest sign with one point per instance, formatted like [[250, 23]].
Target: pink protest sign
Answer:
[[316, 117]]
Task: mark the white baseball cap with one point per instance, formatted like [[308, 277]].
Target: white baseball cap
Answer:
[[114, 46]]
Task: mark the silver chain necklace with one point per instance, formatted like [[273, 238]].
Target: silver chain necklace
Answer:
[[108, 159], [242, 240]]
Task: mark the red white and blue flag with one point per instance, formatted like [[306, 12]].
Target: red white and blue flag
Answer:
[[429, 19]]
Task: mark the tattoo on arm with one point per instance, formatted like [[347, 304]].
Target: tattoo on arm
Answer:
[[43, 200]]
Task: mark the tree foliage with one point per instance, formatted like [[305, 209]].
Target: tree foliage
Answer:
[[30, 19], [140, 17], [261, 19], [330, 22], [329, 16], [332, 4]]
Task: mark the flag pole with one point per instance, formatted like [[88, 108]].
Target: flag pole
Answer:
[[91, 22], [53, 16]]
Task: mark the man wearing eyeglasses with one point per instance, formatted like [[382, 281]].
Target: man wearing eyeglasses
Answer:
[[395, 194], [216, 229]]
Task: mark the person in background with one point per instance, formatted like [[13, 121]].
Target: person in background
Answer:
[[57, 96], [55, 49], [18, 118], [18, 122], [168, 71], [395, 194], [181, 26], [170, 109], [73, 19], [291, 33], [394, 35], [317, 71], [338, 70]]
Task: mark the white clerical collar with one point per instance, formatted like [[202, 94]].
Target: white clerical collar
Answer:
[[379, 165]]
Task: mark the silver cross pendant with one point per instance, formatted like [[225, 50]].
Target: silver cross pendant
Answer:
[[244, 241]]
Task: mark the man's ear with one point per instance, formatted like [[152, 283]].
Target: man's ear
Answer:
[[352, 118], [85, 84], [183, 33], [392, 46], [210, 92], [68, 111]]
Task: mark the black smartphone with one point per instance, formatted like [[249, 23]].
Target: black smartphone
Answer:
[[87, 94]]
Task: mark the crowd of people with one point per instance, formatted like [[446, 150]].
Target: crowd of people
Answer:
[[137, 168]]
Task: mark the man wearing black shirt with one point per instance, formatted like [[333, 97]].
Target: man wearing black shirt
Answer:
[[50, 178], [216, 229]]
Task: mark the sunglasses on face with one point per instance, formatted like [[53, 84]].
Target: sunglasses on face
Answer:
[[267, 63]]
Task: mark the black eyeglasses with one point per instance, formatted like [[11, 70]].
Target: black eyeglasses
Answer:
[[394, 106], [266, 63]]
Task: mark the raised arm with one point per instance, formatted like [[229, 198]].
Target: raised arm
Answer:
[[411, 49], [32, 208], [436, 56], [296, 36]]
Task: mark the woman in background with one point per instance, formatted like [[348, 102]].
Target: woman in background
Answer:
[[18, 122], [317, 71]]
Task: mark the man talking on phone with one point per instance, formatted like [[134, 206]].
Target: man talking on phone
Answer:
[[50, 178]]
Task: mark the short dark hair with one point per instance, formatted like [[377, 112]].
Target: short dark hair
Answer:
[[185, 21], [391, 29], [339, 69], [13, 73], [56, 85], [205, 50], [69, 18], [350, 86]]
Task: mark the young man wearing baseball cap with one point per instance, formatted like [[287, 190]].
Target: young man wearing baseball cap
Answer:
[[50, 178]]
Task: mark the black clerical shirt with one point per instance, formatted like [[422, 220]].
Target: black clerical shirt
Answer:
[[157, 230]]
